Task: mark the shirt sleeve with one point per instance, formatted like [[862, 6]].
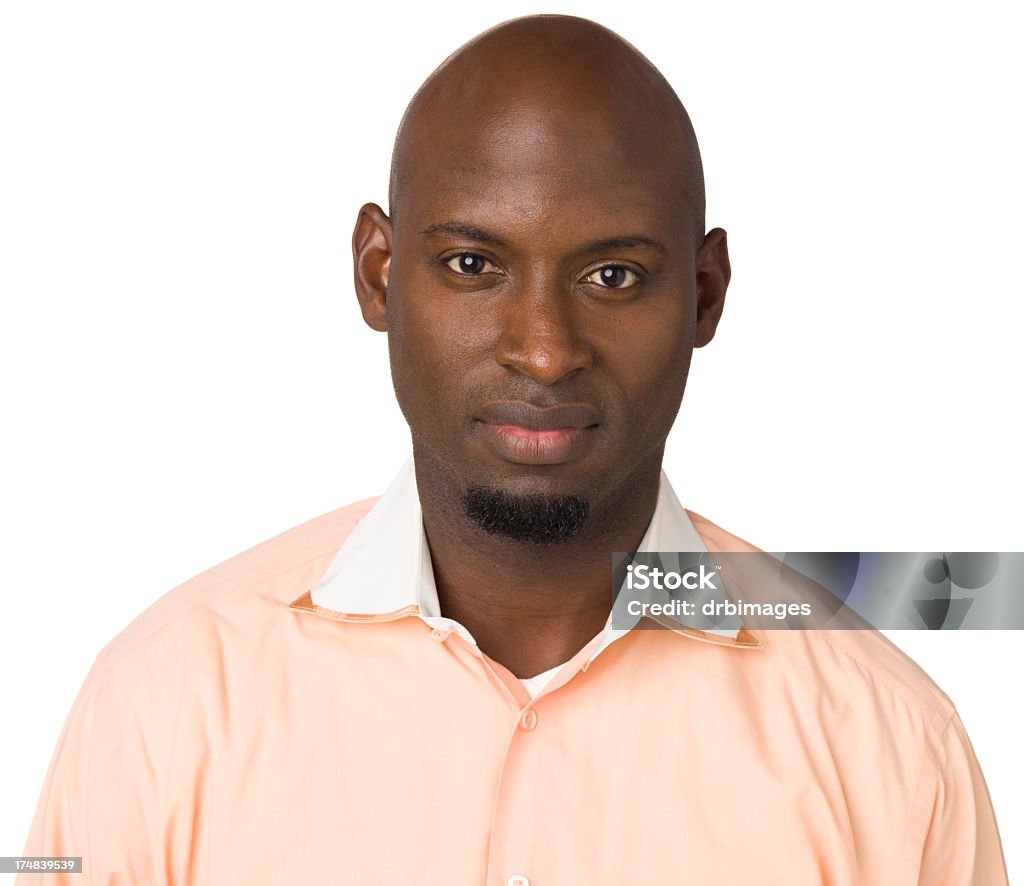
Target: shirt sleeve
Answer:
[[961, 844], [77, 802]]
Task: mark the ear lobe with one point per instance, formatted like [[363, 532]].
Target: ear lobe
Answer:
[[713, 275], [371, 264]]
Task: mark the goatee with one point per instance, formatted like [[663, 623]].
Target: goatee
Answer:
[[536, 518]]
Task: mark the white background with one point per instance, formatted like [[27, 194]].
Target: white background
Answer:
[[185, 372]]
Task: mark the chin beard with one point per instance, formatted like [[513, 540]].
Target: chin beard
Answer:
[[537, 519]]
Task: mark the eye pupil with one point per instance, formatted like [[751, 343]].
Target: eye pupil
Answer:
[[612, 276], [471, 264]]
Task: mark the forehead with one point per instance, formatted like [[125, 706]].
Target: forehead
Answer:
[[523, 165]]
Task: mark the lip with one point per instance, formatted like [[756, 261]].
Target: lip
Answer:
[[522, 433]]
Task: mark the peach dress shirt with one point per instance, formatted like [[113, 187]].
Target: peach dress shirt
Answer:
[[303, 714]]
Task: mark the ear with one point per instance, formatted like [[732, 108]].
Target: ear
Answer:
[[371, 262], [713, 275]]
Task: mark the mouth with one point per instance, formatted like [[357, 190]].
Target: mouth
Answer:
[[525, 434]]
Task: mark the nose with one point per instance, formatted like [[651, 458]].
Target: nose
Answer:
[[541, 336]]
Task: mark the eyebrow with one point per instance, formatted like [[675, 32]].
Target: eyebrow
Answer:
[[461, 230], [632, 241], [628, 241]]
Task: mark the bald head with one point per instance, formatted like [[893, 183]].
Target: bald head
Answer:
[[539, 96]]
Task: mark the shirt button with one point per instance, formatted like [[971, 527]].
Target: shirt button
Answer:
[[528, 722], [518, 880]]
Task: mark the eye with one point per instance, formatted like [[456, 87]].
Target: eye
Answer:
[[469, 264], [613, 277]]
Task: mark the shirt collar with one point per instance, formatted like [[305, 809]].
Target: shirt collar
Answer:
[[383, 569]]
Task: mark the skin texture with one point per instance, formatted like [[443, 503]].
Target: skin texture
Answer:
[[545, 246]]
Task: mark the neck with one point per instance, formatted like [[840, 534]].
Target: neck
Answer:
[[530, 606]]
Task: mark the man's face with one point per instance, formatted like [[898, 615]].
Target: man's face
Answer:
[[542, 306]]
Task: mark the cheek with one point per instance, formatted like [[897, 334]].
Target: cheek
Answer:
[[413, 351], [653, 358], [653, 367], [433, 340], [433, 347]]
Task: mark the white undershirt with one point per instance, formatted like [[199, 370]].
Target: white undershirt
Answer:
[[535, 684]]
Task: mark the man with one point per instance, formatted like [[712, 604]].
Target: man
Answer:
[[427, 688]]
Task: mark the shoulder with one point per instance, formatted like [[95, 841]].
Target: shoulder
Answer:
[[863, 666], [882, 717], [243, 589]]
